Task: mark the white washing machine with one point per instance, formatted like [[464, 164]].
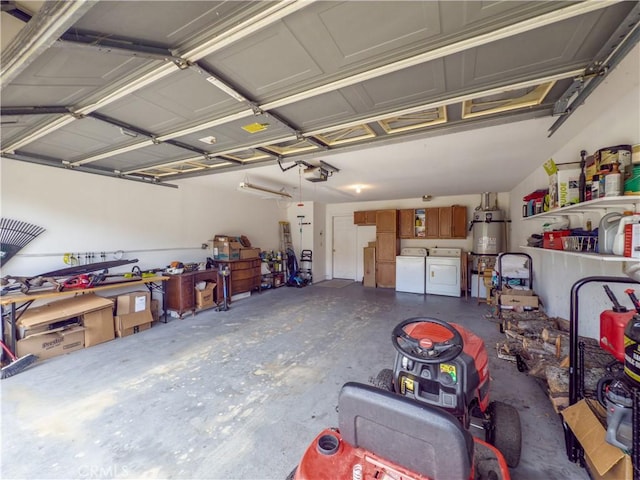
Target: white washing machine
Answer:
[[410, 268], [443, 271]]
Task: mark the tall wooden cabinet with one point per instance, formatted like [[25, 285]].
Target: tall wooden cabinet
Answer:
[[387, 247]]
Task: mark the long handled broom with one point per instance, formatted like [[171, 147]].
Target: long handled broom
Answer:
[[14, 235], [17, 364]]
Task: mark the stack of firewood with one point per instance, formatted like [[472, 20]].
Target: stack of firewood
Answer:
[[540, 346]]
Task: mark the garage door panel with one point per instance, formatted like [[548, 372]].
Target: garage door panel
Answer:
[[232, 133], [64, 77], [151, 155], [270, 60], [182, 98], [79, 138], [559, 47], [165, 23]]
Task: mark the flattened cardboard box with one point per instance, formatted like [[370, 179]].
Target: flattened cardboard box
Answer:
[[133, 302], [47, 345], [132, 323], [93, 312], [605, 461], [61, 310]]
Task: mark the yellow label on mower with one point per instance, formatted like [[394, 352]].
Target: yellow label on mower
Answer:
[[406, 384], [450, 369]]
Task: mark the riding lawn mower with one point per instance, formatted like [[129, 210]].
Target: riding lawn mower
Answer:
[[415, 422], [445, 365]]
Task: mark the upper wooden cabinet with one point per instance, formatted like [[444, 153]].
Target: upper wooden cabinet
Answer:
[[446, 222], [411, 223], [432, 222], [406, 223], [387, 221], [364, 217], [459, 227]]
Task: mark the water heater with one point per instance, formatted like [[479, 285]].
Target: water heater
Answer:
[[489, 227]]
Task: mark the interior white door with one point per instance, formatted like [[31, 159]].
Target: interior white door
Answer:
[[344, 247]]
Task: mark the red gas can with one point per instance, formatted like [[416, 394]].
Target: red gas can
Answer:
[[612, 325]]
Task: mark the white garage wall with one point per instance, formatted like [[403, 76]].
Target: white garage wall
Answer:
[[610, 116], [89, 213]]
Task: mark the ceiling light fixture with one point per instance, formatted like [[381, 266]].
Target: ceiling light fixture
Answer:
[[226, 89], [358, 188], [112, 153], [263, 192]]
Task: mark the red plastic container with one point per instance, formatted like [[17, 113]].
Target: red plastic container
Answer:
[[553, 240], [612, 325]]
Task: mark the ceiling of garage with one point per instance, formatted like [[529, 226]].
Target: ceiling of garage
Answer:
[[160, 91]]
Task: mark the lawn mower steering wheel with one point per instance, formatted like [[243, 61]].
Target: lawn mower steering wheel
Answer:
[[426, 350]]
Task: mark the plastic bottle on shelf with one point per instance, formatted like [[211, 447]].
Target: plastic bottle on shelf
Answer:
[[603, 180], [618, 241], [613, 182]]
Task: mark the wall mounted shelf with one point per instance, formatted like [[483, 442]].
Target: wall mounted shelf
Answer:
[[590, 256], [625, 202]]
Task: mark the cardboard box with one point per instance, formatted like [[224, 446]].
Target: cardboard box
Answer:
[[229, 250], [563, 183], [91, 311], [518, 298], [249, 253], [98, 326], [605, 461], [155, 309], [131, 323], [568, 185], [51, 344], [133, 302], [553, 240], [204, 297]]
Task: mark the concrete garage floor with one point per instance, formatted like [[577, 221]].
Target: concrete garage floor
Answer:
[[237, 394]]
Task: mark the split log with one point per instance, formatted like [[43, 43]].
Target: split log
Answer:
[[551, 335], [591, 378], [538, 366], [561, 324], [511, 347], [557, 379], [530, 327], [537, 348]]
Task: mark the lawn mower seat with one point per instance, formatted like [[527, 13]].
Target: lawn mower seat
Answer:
[[422, 438]]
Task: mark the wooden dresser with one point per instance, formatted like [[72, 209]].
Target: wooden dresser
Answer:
[[180, 290], [245, 275]]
